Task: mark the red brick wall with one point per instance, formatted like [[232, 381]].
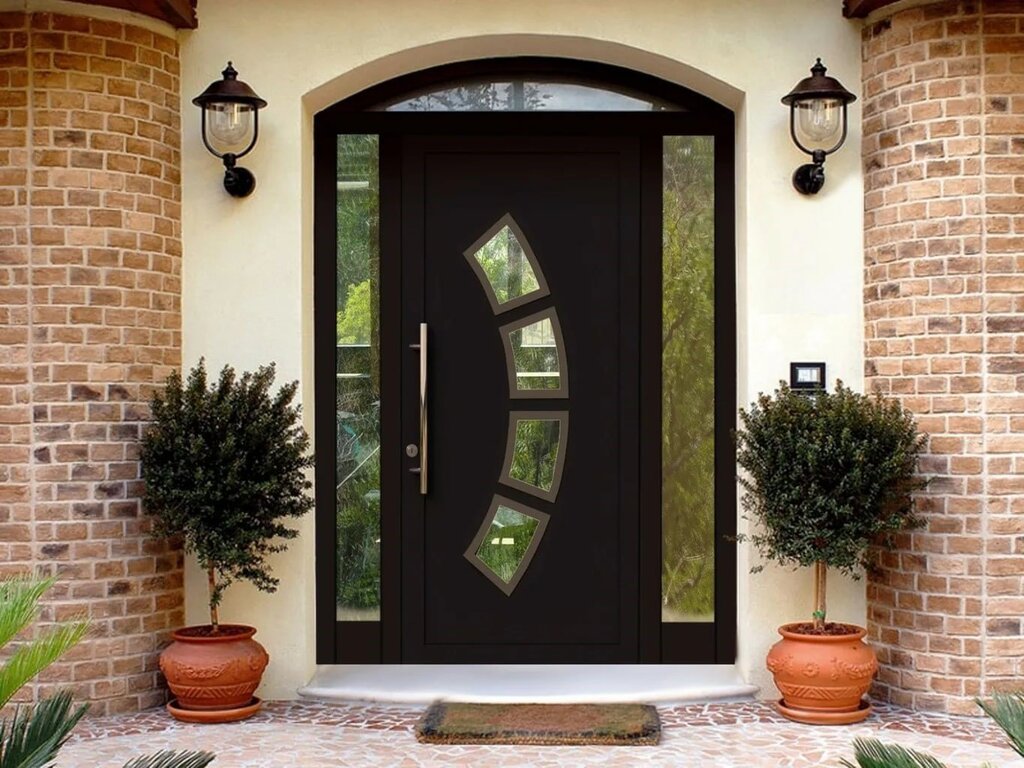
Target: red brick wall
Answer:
[[944, 308], [90, 319]]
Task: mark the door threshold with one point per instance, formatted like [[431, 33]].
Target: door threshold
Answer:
[[593, 683]]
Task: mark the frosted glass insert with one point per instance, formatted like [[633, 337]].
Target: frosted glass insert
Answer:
[[535, 452], [507, 542], [535, 354], [506, 266]]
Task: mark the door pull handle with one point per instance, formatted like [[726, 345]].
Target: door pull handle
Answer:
[[421, 470]]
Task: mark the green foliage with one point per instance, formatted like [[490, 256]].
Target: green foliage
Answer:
[[871, 753], [688, 379], [172, 760], [33, 736], [504, 559], [19, 607], [359, 535], [1007, 709], [354, 320], [223, 465], [535, 451], [827, 475]]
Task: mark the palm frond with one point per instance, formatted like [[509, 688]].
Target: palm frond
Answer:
[[1007, 709], [19, 598], [34, 735], [35, 655], [172, 760], [871, 753]]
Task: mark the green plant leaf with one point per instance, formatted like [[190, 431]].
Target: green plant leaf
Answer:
[[34, 735], [871, 753], [1007, 709], [172, 760], [19, 600], [827, 477], [36, 655], [224, 464]]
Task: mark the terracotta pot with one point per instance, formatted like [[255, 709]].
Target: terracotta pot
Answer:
[[214, 673], [823, 678]]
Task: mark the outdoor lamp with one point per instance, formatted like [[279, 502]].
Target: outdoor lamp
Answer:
[[817, 123], [231, 125]]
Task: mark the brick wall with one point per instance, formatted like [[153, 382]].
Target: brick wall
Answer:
[[944, 310], [90, 261]]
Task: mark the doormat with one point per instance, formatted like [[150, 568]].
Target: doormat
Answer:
[[546, 724]]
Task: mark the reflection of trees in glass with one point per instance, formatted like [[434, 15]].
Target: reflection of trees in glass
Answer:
[[358, 386], [533, 358], [517, 96], [535, 452], [506, 542], [354, 319], [506, 266], [688, 378], [359, 536]]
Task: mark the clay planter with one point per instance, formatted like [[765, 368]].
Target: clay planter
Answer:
[[823, 678], [213, 677]]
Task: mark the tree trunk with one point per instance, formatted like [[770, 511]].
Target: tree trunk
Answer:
[[820, 607], [212, 583]]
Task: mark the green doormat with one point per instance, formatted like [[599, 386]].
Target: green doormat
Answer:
[[575, 724]]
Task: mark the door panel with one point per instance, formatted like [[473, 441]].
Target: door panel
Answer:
[[576, 203]]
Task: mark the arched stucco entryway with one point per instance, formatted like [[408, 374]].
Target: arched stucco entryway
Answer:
[[302, 52]]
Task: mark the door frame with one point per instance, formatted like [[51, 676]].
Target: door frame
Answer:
[[376, 642]]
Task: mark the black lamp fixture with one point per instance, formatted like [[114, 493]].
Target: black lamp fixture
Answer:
[[231, 125], [817, 123]]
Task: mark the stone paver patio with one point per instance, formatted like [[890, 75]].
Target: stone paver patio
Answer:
[[313, 735]]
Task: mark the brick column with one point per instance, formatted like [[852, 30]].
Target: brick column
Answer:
[[90, 205], [944, 312]]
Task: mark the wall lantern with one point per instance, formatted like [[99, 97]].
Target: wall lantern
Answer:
[[231, 125], [817, 123]]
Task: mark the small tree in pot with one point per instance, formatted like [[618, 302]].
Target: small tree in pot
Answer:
[[224, 464], [827, 476]]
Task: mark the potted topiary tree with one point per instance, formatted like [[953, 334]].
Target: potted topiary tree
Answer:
[[223, 466], [827, 476]]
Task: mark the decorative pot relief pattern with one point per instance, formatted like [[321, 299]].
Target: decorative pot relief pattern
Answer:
[[215, 691], [819, 693], [214, 673], [821, 673], [842, 668], [239, 667]]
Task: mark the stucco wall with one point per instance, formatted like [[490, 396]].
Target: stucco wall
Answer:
[[247, 293]]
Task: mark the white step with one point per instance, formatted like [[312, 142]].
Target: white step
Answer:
[[596, 683]]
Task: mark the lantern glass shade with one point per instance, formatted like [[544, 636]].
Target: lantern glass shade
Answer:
[[229, 126], [819, 123]]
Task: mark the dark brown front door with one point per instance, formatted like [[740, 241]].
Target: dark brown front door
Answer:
[[520, 264]]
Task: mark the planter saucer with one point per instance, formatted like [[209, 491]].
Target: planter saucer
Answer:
[[811, 717], [214, 715]]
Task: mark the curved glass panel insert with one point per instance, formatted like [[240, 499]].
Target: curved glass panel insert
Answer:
[[688, 380], [506, 266], [506, 542], [528, 95], [535, 355], [535, 452]]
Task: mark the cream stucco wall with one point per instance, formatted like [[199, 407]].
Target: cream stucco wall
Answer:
[[247, 274]]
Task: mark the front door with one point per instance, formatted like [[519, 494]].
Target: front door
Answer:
[[520, 403], [524, 320]]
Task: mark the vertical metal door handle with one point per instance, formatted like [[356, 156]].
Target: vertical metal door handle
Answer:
[[424, 443]]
